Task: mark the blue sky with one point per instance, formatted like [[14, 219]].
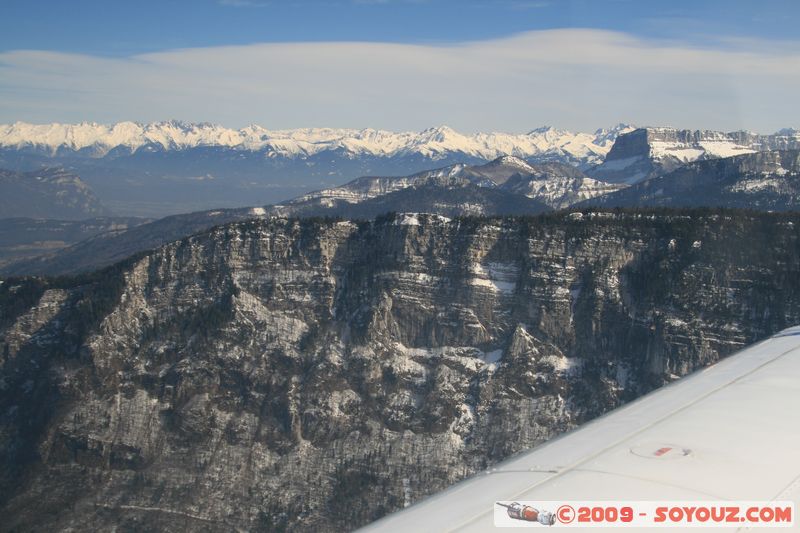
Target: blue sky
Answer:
[[702, 63], [121, 28]]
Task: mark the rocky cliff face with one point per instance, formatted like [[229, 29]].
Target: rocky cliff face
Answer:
[[317, 374], [650, 152]]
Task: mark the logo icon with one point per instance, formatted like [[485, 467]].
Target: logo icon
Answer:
[[517, 511]]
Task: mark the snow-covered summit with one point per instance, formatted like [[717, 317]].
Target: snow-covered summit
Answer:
[[513, 161]]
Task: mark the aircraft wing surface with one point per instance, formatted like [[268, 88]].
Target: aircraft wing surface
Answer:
[[731, 432]]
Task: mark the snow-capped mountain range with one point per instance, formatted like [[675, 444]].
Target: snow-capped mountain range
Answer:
[[98, 140]]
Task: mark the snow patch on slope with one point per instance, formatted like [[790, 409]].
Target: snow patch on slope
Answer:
[[497, 277]]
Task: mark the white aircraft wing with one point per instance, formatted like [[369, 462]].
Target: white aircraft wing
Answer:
[[731, 431]]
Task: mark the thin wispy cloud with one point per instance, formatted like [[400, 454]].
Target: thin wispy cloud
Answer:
[[578, 79]]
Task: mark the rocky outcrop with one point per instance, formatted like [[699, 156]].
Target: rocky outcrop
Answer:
[[558, 186], [280, 374], [650, 152]]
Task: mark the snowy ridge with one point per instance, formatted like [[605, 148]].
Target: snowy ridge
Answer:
[[368, 187], [557, 185], [99, 139], [559, 190]]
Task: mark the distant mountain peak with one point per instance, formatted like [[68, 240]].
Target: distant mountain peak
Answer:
[[788, 132], [439, 134], [512, 161], [620, 127], [442, 128], [542, 129]]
